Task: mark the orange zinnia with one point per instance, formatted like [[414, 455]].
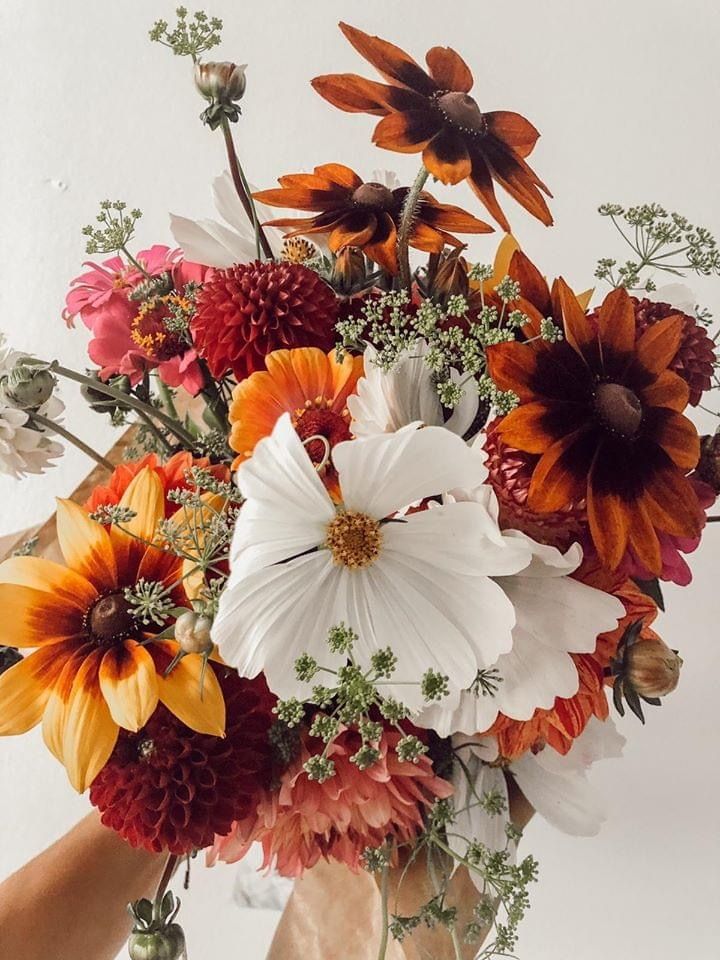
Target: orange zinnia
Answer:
[[96, 668], [309, 385], [365, 215], [603, 412], [433, 112]]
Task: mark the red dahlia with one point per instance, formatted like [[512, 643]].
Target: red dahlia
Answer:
[[167, 788], [251, 309], [695, 359]]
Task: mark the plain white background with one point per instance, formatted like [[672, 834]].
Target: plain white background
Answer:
[[626, 97]]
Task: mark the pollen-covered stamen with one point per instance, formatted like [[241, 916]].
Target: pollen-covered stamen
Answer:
[[462, 111], [110, 619], [354, 539], [151, 332], [619, 409], [374, 195], [298, 250]]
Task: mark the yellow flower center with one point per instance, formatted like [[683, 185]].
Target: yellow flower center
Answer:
[[354, 539], [297, 250]]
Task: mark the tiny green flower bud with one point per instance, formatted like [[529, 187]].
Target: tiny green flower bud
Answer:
[[192, 632], [29, 384], [165, 944]]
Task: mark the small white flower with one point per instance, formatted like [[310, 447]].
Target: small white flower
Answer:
[[678, 295], [386, 401], [556, 786], [223, 244], [420, 584], [555, 616]]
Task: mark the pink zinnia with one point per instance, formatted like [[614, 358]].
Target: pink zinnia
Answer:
[[129, 337], [305, 820]]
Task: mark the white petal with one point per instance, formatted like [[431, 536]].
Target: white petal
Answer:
[[210, 243], [600, 740], [678, 295], [472, 779], [382, 474], [566, 801], [464, 414]]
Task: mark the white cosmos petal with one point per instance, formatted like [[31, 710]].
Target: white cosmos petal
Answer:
[[210, 243], [382, 474], [287, 508], [600, 740]]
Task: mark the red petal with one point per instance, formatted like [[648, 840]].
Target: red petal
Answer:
[[513, 129], [392, 62], [449, 70], [578, 331], [406, 132], [659, 343], [616, 322]]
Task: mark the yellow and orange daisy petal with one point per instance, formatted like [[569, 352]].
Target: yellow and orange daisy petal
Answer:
[[85, 546], [59, 696], [449, 70], [90, 733], [25, 687], [49, 577], [128, 682], [200, 705], [34, 618]]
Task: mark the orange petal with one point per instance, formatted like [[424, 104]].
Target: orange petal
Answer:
[[447, 157], [426, 238], [659, 343], [90, 732], [512, 173], [129, 684], [295, 198], [203, 709], [406, 132], [560, 477], [384, 251], [533, 286], [33, 618], [616, 322], [668, 390], [531, 427], [676, 435], [40, 574], [392, 62], [86, 545], [643, 538], [25, 688], [449, 70], [354, 230], [354, 94], [578, 331], [339, 174], [481, 184], [513, 366], [54, 716], [672, 504], [445, 216], [609, 519], [513, 129]]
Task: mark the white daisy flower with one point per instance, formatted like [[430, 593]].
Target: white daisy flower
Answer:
[[555, 616], [420, 584], [385, 401], [556, 786], [223, 244]]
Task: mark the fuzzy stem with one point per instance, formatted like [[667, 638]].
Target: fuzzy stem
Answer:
[[406, 222], [163, 885], [242, 189], [42, 421], [384, 888]]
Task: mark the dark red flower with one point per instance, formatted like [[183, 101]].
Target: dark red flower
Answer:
[[433, 112], [251, 309], [365, 215], [167, 788]]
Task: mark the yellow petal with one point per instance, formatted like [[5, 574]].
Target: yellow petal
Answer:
[[584, 298], [506, 248], [41, 574], [146, 498], [90, 732], [53, 728], [129, 684], [25, 688], [32, 618], [201, 710], [85, 545]]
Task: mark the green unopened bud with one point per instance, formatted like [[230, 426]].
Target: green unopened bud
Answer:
[[102, 402], [223, 85], [192, 632], [167, 944], [29, 384]]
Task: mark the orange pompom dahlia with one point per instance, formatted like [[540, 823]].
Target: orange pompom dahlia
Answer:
[[95, 667]]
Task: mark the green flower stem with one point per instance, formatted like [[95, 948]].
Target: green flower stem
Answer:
[[406, 221], [243, 190], [127, 400], [457, 949], [157, 433], [48, 424], [163, 885], [385, 927]]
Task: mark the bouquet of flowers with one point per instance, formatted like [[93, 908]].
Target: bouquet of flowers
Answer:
[[390, 532]]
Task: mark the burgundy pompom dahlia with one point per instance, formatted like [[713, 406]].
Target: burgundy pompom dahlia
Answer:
[[167, 788], [251, 309]]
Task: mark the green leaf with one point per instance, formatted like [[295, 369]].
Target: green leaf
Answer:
[[651, 588], [142, 910]]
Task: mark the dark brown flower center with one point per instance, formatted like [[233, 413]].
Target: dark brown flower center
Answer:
[[462, 111], [374, 195], [111, 619], [619, 408]]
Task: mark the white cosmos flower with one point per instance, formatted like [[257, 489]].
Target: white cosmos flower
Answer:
[[222, 245], [385, 401], [555, 616], [556, 786], [419, 584]]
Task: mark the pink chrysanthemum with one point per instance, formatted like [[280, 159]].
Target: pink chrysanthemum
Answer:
[[304, 820]]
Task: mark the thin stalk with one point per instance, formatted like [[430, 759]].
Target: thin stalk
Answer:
[[167, 399], [42, 421], [242, 189], [163, 885], [156, 432], [457, 949], [384, 889], [406, 221], [136, 263], [127, 400]]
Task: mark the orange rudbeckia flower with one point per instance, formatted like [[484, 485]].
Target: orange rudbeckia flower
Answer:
[[604, 413], [365, 215], [433, 112], [95, 668], [308, 384]]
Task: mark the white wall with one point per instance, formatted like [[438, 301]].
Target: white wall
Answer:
[[626, 96]]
